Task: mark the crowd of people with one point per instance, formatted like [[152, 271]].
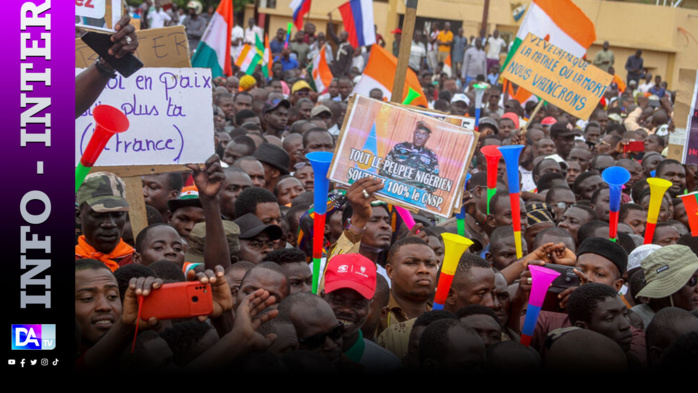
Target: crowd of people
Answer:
[[243, 224]]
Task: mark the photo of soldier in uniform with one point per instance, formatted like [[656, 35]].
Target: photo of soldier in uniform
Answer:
[[414, 154], [420, 158]]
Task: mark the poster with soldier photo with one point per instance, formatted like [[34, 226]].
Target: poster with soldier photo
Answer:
[[421, 160]]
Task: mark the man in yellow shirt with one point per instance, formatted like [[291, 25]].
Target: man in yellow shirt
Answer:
[[444, 40]]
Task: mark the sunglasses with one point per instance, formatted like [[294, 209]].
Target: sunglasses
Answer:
[[316, 340]]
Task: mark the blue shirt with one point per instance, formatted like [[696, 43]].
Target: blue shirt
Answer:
[[289, 64], [276, 46], [658, 91]]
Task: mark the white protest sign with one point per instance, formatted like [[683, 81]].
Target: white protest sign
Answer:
[[170, 114], [90, 8], [99, 15]]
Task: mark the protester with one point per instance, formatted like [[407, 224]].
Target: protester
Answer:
[[244, 223]]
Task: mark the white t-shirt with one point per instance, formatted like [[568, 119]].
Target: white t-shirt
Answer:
[[157, 19], [495, 47], [249, 34], [417, 53]]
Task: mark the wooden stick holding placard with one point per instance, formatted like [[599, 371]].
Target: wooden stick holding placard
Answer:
[[404, 55], [533, 115]]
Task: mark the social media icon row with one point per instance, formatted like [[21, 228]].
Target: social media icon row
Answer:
[[32, 362]]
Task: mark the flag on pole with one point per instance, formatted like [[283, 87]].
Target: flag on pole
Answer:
[[248, 59], [690, 203], [214, 48], [267, 53], [447, 66], [300, 8], [559, 22], [320, 70], [259, 47], [357, 16], [380, 73]]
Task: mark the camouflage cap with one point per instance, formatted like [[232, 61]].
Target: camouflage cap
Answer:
[[197, 239], [104, 192]]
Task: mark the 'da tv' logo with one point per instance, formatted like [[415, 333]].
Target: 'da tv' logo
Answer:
[[33, 337]]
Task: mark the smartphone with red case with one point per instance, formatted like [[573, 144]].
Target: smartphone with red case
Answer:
[[178, 300]]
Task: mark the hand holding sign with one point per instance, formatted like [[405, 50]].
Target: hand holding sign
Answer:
[[360, 196], [125, 40]]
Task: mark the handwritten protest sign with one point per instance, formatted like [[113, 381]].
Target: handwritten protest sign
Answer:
[[164, 47], [561, 78], [421, 160], [97, 14], [170, 113]]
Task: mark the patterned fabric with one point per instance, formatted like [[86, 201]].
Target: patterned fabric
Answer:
[[104, 192], [420, 158]]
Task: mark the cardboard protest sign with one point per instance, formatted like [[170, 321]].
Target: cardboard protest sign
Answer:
[[561, 78], [421, 160], [164, 47], [170, 115], [465, 122], [98, 14]]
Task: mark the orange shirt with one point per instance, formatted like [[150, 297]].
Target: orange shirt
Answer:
[[445, 36]]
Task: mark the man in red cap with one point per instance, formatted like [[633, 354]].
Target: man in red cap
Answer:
[[350, 283]]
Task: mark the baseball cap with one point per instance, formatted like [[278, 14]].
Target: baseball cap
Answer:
[[460, 97], [489, 122], [548, 121], [667, 270], [188, 197], [317, 110], [300, 85], [396, 31], [615, 117], [513, 117], [251, 226], [353, 271], [197, 240], [104, 192], [272, 105]]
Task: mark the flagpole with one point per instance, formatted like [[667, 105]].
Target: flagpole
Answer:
[[405, 46], [307, 14], [530, 119]]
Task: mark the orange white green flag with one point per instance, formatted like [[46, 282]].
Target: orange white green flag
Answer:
[[248, 59], [559, 22], [380, 73], [448, 69], [320, 70], [214, 48]]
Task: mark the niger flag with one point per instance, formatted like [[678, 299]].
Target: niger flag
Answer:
[[448, 68], [559, 22], [380, 73]]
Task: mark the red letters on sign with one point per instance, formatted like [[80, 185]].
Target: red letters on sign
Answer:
[[83, 3]]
